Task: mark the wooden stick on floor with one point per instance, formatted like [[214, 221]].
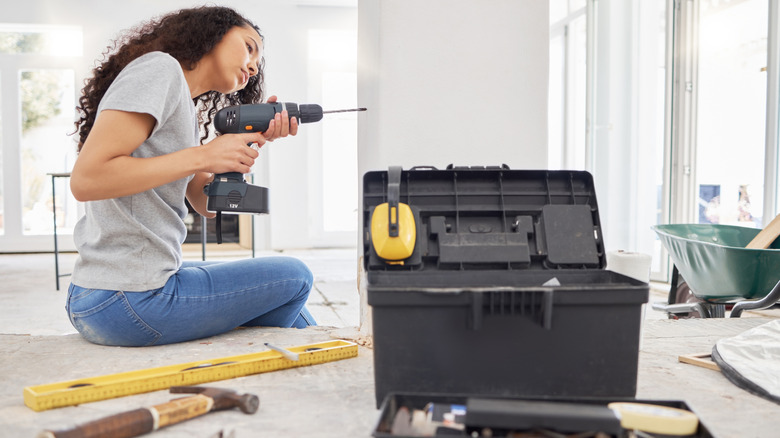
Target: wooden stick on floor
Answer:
[[702, 360]]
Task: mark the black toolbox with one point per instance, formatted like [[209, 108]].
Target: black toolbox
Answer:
[[504, 292]]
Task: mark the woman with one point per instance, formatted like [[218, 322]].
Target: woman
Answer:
[[139, 158]]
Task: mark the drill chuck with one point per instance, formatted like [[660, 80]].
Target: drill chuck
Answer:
[[309, 112]]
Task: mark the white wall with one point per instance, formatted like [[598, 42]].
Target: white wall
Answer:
[[462, 82]]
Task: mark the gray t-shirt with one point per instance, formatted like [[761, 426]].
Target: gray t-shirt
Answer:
[[133, 243]]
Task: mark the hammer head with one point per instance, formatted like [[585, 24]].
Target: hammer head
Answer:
[[223, 398]]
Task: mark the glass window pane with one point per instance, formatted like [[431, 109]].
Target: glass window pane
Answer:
[[577, 100], [567, 96], [2, 216], [650, 139], [339, 153], [555, 106], [576, 4], [47, 102], [558, 10], [41, 39], [731, 112], [333, 55]]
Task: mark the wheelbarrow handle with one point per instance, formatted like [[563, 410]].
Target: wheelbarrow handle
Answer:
[[770, 299]]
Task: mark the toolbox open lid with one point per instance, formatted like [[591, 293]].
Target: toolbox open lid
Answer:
[[485, 219]]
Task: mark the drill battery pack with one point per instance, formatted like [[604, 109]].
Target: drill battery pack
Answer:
[[229, 193]]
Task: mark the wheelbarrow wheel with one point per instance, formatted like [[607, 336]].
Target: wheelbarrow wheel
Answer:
[[679, 293]]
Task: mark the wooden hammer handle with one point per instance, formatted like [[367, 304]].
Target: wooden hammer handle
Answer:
[[139, 421], [124, 425], [181, 409]]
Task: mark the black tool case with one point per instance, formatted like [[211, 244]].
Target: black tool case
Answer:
[[505, 293]]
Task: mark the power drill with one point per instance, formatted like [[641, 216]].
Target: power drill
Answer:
[[228, 192]]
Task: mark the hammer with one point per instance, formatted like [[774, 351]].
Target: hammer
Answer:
[[144, 420]]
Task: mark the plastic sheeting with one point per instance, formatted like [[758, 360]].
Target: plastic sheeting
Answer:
[[751, 360]]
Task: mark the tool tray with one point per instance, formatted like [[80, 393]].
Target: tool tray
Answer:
[[415, 401], [504, 292]]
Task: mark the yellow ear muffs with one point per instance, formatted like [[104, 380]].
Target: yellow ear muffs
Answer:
[[393, 245], [393, 231]]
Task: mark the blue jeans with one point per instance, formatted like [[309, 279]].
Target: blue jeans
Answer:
[[202, 299]]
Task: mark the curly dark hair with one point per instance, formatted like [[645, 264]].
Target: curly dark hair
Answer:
[[187, 35]]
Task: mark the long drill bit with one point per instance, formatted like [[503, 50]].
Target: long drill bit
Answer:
[[345, 110]]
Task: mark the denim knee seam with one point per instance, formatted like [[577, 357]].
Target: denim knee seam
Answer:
[[273, 285]]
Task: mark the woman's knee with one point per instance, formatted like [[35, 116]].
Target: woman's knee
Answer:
[[300, 271]]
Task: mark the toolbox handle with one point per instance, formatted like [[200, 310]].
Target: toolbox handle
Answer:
[[452, 166], [393, 197], [537, 305]]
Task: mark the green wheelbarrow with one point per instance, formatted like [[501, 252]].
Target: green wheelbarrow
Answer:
[[719, 270]]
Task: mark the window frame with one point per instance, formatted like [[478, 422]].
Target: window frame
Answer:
[[13, 239]]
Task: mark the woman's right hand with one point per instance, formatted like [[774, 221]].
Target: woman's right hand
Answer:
[[105, 167], [231, 153]]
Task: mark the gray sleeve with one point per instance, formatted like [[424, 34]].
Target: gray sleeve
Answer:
[[150, 84]]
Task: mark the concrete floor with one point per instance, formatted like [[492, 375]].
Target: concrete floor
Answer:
[[27, 282], [336, 399], [38, 345]]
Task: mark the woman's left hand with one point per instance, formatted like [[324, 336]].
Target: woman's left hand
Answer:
[[282, 125]]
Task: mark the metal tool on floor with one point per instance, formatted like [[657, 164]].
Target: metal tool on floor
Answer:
[[148, 419], [285, 352], [74, 392], [224, 434]]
